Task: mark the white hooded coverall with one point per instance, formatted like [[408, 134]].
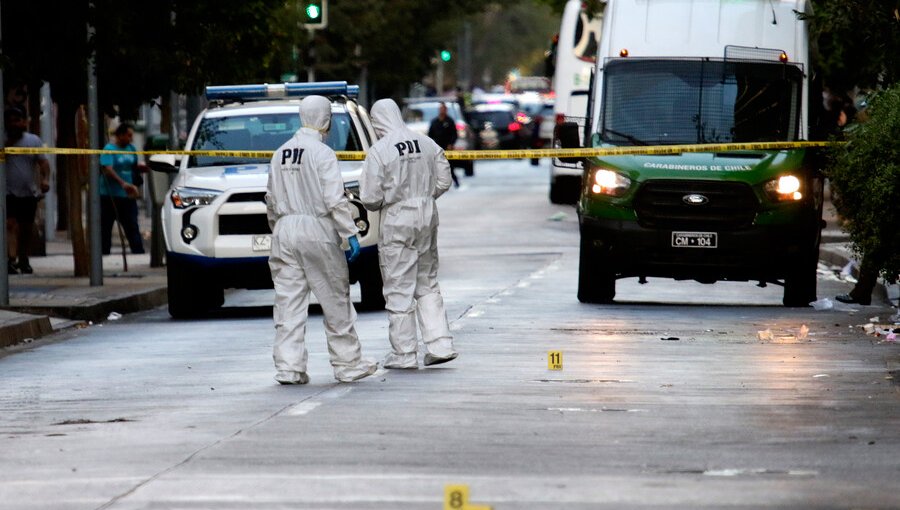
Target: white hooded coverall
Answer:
[[404, 173], [310, 216]]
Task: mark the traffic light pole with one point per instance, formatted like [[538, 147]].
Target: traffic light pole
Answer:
[[311, 59]]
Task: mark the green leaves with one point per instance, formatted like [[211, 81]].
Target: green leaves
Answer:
[[858, 42], [865, 178]]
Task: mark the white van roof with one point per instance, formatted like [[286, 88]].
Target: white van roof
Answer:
[[703, 28]]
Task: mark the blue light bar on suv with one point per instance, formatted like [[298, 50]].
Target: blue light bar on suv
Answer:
[[282, 90]]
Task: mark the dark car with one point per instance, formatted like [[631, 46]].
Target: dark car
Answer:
[[496, 126]]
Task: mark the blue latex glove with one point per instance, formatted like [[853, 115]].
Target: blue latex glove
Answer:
[[353, 253]]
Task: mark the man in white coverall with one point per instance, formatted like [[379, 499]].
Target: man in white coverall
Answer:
[[309, 216], [403, 175]]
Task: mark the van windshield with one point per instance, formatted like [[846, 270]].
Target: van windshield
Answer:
[[666, 102], [265, 132]]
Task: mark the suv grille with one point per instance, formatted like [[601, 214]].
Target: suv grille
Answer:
[[243, 224], [661, 204], [259, 196]]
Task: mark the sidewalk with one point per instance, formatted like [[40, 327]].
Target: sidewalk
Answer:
[[52, 298]]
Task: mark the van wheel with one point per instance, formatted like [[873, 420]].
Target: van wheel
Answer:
[[800, 282], [596, 281], [189, 293]]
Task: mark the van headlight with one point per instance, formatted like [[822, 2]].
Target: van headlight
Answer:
[[607, 182], [182, 198], [786, 188]]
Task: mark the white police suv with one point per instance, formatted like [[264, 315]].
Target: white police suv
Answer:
[[214, 216]]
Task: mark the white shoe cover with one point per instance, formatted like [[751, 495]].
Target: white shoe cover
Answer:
[[284, 377], [364, 368], [431, 359], [394, 360]]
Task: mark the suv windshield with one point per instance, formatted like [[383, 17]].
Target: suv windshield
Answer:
[[665, 102], [264, 132]]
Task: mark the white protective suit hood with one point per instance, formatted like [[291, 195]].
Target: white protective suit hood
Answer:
[[315, 115], [386, 116]]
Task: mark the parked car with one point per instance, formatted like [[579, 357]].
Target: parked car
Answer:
[[419, 112], [214, 216], [497, 127]]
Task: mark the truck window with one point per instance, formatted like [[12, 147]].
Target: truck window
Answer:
[[660, 101]]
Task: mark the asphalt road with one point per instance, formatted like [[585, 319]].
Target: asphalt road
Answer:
[[666, 399]]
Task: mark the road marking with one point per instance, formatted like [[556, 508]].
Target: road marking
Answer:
[[302, 408]]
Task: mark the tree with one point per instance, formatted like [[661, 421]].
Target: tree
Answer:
[[858, 42], [858, 47], [865, 174], [143, 50]]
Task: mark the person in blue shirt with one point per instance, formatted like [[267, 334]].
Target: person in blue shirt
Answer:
[[118, 194]]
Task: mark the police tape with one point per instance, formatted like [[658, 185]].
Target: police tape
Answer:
[[459, 155]]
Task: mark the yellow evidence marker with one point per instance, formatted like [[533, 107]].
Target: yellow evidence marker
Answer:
[[554, 360], [456, 497]]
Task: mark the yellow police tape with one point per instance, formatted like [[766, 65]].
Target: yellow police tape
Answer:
[[464, 155]]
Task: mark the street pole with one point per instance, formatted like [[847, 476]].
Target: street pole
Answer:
[[4, 272], [94, 171], [439, 78], [311, 62]]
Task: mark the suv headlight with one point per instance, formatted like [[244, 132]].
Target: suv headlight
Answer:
[[784, 189], [182, 198], [607, 182]]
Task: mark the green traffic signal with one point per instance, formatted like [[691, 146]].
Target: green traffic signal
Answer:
[[313, 12], [445, 55]]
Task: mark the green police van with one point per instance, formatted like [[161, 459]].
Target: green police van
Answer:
[[700, 72]]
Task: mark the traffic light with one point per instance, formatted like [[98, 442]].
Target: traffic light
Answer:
[[446, 55], [315, 14]]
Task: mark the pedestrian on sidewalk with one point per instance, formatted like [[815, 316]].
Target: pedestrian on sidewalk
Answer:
[[403, 175], [27, 179], [443, 131], [309, 215], [118, 192]]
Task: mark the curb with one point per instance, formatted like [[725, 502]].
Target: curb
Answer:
[[98, 311], [18, 327]]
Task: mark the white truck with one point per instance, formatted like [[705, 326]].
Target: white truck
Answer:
[[576, 56], [214, 215]]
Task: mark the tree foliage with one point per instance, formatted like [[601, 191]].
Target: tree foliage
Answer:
[[865, 174], [858, 42]]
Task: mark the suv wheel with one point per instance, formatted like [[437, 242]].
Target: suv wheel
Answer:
[[371, 286], [189, 294], [596, 281]]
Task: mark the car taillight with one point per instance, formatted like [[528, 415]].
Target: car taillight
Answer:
[[521, 117], [514, 126], [460, 129]]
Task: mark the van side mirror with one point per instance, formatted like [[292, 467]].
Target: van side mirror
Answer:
[[165, 163], [569, 138]]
